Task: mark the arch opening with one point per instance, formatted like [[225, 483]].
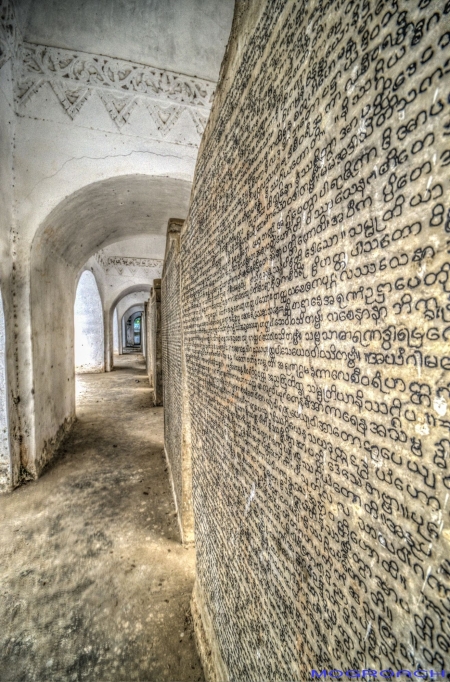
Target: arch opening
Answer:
[[129, 300], [89, 332], [132, 326], [92, 218]]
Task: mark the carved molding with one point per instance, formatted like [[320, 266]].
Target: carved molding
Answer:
[[127, 265], [120, 85]]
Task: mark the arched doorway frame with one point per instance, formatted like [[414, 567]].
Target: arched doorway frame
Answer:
[[84, 222], [134, 311]]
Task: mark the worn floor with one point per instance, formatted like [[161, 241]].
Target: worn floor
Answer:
[[94, 583]]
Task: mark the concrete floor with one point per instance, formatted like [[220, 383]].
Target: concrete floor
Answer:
[[94, 583]]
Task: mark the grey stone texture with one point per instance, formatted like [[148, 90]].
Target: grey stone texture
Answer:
[[315, 283], [176, 413], [156, 341], [5, 456]]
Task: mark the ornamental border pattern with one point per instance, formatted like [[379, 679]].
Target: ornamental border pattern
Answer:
[[123, 265], [121, 85]]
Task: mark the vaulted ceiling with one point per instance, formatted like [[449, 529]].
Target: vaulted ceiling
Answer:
[[185, 36]]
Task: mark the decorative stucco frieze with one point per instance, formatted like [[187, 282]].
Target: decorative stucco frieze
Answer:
[[121, 86], [127, 265]]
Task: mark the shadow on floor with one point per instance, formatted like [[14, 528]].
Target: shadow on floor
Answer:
[[95, 583]]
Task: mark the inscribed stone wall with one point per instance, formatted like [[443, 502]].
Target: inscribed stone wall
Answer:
[[315, 289], [171, 358], [5, 458], [177, 438], [155, 342]]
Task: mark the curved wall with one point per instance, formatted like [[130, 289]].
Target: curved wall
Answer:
[[315, 282]]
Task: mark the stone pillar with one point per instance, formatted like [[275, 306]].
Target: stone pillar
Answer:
[[115, 334], [155, 342], [144, 332], [149, 357], [121, 333], [108, 336], [5, 454], [177, 440], [315, 281]]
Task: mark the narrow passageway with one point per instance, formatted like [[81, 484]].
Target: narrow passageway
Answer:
[[94, 582]]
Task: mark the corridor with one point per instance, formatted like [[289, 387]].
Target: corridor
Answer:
[[95, 584]]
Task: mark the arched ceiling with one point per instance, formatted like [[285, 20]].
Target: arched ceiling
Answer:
[[145, 246], [138, 308], [109, 211], [186, 36], [142, 292]]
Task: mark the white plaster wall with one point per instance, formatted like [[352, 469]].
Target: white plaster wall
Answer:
[[54, 161], [144, 246], [89, 335], [52, 308], [9, 361], [188, 36], [6, 160], [115, 332], [60, 158], [56, 157]]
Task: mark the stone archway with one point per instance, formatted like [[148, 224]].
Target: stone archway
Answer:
[[134, 295], [128, 328], [89, 333]]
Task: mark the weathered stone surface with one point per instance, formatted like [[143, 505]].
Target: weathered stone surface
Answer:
[[315, 282], [155, 341], [187, 37], [11, 452], [176, 413]]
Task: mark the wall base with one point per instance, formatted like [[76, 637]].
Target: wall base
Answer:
[[186, 541], [205, 638], [51, 446]]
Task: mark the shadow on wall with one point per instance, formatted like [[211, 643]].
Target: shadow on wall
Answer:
[[89, 333]]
